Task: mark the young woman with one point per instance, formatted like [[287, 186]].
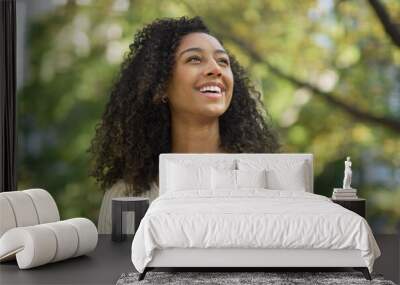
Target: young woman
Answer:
[[179, 91]]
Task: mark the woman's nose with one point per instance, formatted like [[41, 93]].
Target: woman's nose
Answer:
[[213, 69]]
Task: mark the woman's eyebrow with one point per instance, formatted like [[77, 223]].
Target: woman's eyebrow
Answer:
[[200, 50]]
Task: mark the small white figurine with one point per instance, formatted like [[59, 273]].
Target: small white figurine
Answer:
[[347, 174]]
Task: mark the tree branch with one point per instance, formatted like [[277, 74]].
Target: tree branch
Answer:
[[329, 97], [389, 27]]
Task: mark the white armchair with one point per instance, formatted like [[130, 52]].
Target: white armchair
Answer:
[[31, 230]]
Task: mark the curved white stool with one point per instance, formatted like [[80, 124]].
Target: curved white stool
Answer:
[[26, 208], [31, 232]]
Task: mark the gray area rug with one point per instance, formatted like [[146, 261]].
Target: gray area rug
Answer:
[[229, 278]]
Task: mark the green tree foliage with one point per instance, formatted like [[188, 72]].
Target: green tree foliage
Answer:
[[328, 70]]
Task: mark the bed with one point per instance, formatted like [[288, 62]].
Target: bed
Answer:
[[247, 210]]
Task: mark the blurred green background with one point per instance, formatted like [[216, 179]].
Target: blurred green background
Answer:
[[328, 71]]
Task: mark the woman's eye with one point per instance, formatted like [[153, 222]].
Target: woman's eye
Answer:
[[224, 61], [198, 59], [193, 58]]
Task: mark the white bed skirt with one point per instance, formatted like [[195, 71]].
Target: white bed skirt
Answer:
[[234, 257]]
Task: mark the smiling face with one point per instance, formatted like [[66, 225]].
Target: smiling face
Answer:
[[202, 81]]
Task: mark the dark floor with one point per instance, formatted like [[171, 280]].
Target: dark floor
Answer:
[[110, 260], [389, 262]]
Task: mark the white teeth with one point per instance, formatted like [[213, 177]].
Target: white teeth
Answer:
[[210, 88]]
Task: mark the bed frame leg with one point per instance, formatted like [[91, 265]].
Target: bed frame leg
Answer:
[[143, 274], [364, 271]]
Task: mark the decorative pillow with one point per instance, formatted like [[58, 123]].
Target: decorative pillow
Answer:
[[251, 178], [182, 177], [223, 179], [227, 179], [281, 175]]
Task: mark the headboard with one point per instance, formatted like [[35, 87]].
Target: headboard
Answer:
[[210, 158]]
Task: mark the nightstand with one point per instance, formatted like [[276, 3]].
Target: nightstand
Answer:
[[356, 205], [120, 205]]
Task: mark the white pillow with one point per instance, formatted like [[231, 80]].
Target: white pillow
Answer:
[[223, 179], [281, 175], [188, 177], [293, 179], [251, 178], [235, 179]]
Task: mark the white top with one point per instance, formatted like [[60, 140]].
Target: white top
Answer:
[[129, 199]]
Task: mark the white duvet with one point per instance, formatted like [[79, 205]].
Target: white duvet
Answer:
[[252, 218]]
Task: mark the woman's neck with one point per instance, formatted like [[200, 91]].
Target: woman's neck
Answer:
[[195, 136]]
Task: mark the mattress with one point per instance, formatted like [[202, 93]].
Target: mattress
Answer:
[[250, 219]]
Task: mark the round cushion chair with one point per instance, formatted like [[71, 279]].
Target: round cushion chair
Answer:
[[31, 231]]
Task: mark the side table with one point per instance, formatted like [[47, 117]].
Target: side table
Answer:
[[355, 205], [124, 204]]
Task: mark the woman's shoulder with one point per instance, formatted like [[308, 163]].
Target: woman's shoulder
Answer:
[[121, 188], [118, 187]]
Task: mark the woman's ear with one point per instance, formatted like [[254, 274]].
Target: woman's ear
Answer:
[[164, 98], [160, 99], [160, 95]]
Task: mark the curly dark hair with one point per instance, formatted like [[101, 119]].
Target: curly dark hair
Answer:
[[135, 127]]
